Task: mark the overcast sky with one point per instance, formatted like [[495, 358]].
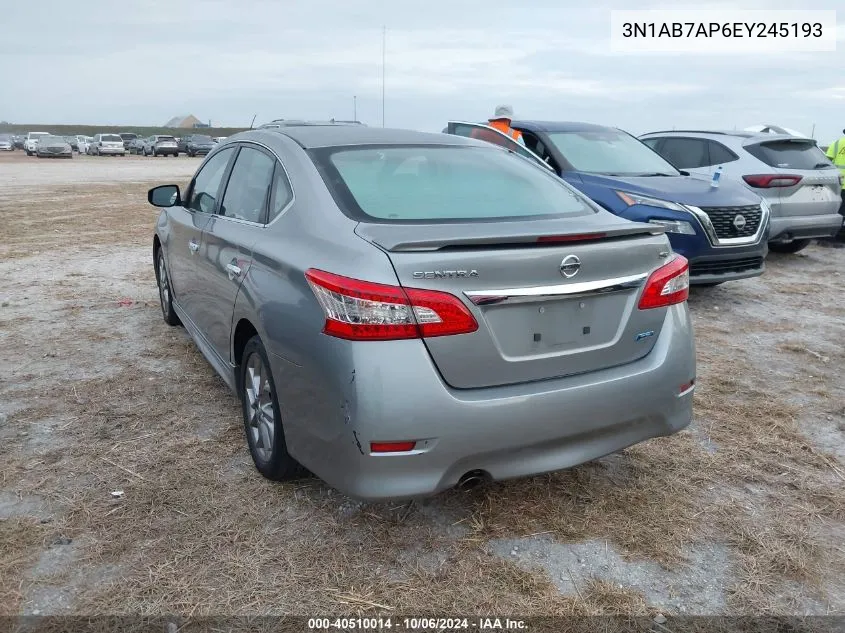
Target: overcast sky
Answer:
[[145, 61]]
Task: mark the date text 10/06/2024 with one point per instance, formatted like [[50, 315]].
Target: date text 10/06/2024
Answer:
[[416, 624]]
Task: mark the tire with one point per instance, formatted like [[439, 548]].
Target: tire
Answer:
[[155, 154], [165, 294], [789, 247], [28, 153], [258, 397]]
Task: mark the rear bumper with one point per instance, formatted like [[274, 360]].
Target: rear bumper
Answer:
[[396, 394], [804, 227], [166, 150], [111, 150]]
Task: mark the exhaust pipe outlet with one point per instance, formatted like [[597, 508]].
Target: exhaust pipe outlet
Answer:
[[473, 479]]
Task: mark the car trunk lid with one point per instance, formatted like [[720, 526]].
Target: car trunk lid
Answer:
[[552, 298]]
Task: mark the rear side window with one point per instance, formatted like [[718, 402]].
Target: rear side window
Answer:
[[207, 182], [719, 154], [789, 154], [282, 193], [249, 186], [685, 153], [442, 183]]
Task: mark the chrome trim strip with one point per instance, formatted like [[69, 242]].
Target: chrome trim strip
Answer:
[[544, 293], [261, 225], [710, 232]]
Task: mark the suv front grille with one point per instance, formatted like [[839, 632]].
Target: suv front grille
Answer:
[[724, 267], [724, 220]]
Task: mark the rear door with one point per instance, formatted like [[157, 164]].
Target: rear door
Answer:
[[818, 190], [225, 253], [688, 154], [492, 135], [552, 282]]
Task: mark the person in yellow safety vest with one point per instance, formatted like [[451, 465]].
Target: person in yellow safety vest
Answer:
[[501, 121], [836, 154]]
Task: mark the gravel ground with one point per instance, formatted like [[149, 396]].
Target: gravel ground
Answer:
[[126, 486]]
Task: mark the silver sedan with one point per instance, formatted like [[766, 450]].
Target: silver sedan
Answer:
[[53, 147], [403, 312]]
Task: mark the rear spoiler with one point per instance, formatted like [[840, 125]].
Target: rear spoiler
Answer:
[[432, 237]]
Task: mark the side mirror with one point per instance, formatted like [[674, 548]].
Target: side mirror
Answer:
[[683, 173], [164, 196]]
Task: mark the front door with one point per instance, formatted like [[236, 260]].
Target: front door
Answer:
[[187, 223], [225, 252], [492, 135]]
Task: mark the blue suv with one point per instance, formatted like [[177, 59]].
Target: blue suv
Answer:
[[722, 231]]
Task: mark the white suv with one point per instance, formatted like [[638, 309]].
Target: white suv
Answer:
[[31, 141], [794, 176], [107, 144]]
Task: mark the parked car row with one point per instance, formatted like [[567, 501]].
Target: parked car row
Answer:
[[724, 198], [117, 144]]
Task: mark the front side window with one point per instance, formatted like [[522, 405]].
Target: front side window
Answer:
[[610, 152], [443, 183], [207, 182], [249, 186]]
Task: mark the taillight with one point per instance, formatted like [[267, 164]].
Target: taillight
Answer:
[[767, 181], [365, 311], [667, 285]]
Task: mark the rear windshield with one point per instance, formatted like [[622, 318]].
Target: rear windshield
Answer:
[[128, 137], [202, 139], [165, 138], [790, 154], [109, 138], [442, 183]]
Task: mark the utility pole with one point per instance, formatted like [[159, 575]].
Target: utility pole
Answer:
[[354, 108], [383, 58]]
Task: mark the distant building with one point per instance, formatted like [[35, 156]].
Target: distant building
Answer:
[[188, 121]]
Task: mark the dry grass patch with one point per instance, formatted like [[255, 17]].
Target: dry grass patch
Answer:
[[21, 541], [77, 217]]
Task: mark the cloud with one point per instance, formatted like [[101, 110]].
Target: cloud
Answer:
[[549, 58]]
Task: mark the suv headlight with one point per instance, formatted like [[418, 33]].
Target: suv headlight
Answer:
[[634, 198], [675, 226]]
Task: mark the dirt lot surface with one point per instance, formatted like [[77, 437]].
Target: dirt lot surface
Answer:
[[126, 485]]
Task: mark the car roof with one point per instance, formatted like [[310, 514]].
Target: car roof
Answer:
[[741, 134], [561, 126], [314, 136]]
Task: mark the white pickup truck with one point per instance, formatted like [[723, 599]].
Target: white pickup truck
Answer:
[[32, 140]]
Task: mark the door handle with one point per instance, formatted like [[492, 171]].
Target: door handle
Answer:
[[193, 246], [233, 271]]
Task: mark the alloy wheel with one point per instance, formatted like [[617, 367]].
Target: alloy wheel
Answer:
[[258, 399], [163, 286]]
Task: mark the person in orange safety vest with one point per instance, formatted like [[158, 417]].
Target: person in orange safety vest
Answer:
[[501, 121]]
